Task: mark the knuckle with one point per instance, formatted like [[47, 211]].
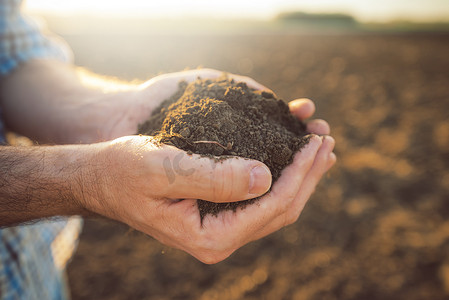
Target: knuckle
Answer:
[[224, 177], [290, 213], [286, 203]]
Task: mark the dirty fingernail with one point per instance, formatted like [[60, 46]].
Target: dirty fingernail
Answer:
[[260, 180]]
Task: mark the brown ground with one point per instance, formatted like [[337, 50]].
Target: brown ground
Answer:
[[222, 118], [378, 225]]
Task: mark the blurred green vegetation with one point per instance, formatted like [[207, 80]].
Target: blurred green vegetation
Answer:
[[338, 21], [318, 20]]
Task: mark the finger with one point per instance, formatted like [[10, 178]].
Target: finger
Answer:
[[211, 73], [319, 167], [250, 82], [287, 185], [181, 176], [169, 82], [318, 126], [302, 108], [192, 75], [292, 176], [258, 217], [247, 223], [331, 160], [316, 172], [189, 76]]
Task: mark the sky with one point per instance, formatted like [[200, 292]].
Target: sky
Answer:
[[364, 10]]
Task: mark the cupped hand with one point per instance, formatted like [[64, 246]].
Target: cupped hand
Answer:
[[155, 188]]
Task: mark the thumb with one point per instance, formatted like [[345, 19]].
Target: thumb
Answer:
[[185, 176]]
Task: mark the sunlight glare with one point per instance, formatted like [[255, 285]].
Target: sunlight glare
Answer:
[[156, 9], [380, 10]]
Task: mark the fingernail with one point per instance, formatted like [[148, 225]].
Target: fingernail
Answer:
[[310, 135], [330, 142], [313, 136], [260, 180], [330, 139]]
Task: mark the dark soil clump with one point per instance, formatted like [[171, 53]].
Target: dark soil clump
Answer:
[[226, 118]]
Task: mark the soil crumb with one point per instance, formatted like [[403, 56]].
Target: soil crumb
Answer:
[[221, 118]]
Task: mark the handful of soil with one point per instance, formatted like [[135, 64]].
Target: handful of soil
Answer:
[[222, 117]]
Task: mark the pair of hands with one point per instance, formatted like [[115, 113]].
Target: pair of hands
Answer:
[[131, 183]]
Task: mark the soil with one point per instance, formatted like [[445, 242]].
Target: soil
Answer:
[[377, 227], [223, 118]]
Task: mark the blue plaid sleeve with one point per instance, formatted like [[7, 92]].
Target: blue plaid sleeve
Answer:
[[2, 133], [22, 39], [32, 257]]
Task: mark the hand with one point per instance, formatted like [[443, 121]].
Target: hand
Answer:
[[137, 190]]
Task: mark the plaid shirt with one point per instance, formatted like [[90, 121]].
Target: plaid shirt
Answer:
[[32, 257]]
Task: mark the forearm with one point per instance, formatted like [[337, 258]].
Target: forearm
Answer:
[[51, 102], [42, 182]]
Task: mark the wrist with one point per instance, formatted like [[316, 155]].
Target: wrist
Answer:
[[87, 181], [63, 167]]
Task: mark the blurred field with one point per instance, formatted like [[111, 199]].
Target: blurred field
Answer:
[[377, 226]]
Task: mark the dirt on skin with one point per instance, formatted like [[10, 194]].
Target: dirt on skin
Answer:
[[221, 118]]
